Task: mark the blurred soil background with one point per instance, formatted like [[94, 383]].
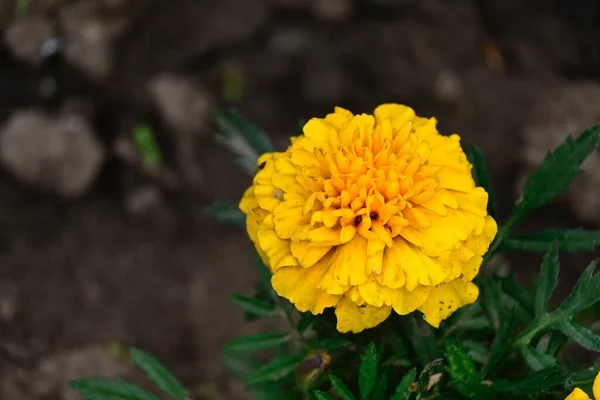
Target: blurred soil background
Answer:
[[100, 247]]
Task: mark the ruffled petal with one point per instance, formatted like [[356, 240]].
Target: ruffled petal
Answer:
[[355, 319], [446, 298]]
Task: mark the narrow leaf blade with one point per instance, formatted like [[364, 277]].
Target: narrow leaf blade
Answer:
[[158, 374], [320, 395], [255, 307], [105, 389], [501, 343], [257, 342], [403, 389], [586, 338], [548, 279], [341, 389], [367, 374], [537, 360], [275, 370]]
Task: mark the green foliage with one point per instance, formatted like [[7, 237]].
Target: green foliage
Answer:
[[511, 344], [145, 140], [117, 389]]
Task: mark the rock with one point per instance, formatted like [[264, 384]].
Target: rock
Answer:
[[53, 373], [89, 39], [60, 155], [185, 107], [26, 37], [565, 110]]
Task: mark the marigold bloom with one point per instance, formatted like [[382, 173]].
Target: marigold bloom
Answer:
[[578, 394], [370, 213]]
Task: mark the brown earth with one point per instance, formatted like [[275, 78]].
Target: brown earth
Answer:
[[93, 254]]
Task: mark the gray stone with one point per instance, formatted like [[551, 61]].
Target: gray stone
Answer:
[[26, 37], [58, 154]]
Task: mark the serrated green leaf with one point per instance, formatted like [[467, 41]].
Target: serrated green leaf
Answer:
[[367, 373], [501, 343], [158, 374], [107, 389], [257, 342], [255, 307], [585, 294], [586, 338], [569, 240], [520, 295], [403, 389], [481, 175], [540, 382], [536, 360], [380, 388], [555, 173], [425, 376], [241, 137], [320, 395], [492, 300], [228, 213], [460, 365], [547, 280], [277, 369], [340, 388]]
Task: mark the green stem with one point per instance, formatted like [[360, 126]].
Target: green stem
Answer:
[[290, 320], [538, 325]]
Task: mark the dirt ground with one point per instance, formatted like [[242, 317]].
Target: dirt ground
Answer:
[[96, 248]]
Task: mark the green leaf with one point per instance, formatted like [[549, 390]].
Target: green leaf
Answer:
[[320, 395], [569, 240], [242, 138], [502, 342], [403, 389], [158, 374], [367, 373], [492, 300], [555, 173], [540, 382], [547, 281], [277, 369], [145, 140], [425, 376], [481, 174], [520, 295], [341, 389], [585, 294], [460, 365], [581, 335], [105, 389], [536, 360], [255, 307], [240, 365], [333, 344], [476, 350], [257, 342], [380, 388], [228, 213]]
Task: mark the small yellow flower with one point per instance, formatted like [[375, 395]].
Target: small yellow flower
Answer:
[[370, 213], [578, 394]]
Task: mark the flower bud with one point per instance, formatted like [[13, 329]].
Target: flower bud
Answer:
[[312, 369]]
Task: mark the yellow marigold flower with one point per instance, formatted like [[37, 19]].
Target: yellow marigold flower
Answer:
[[370, 213], [578, 394]]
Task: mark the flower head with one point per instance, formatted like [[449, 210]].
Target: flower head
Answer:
[[370, 213], [578, 394]]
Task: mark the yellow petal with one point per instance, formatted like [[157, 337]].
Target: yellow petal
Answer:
[[392, 274], [300, 286], [398, 114], [354, 318], [577, 394], [405, 302], [376, 295], [418, 267], [349, 264], [306, 254], [446, 298]]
